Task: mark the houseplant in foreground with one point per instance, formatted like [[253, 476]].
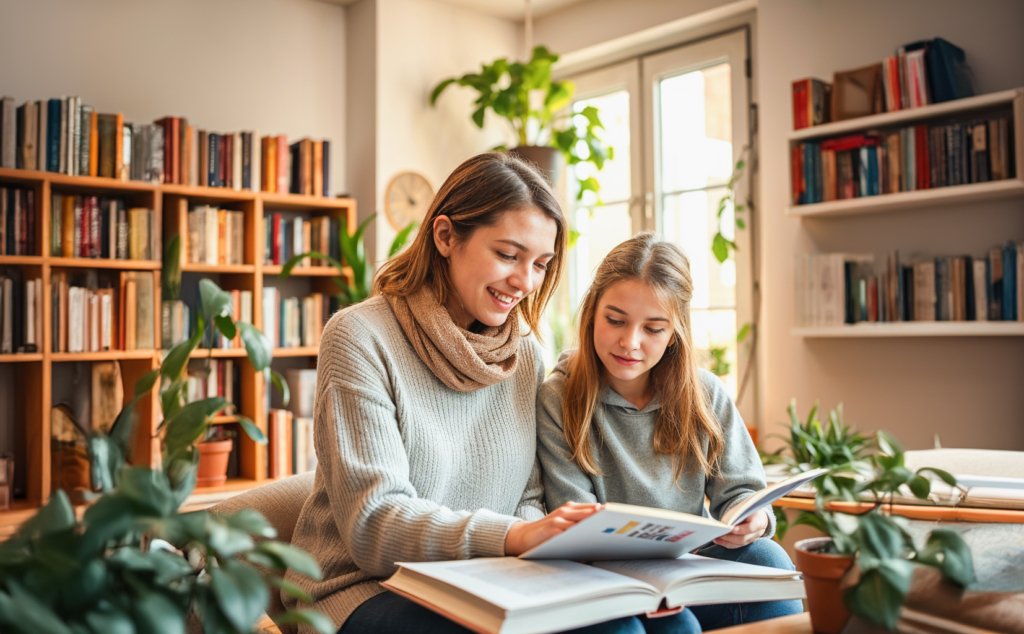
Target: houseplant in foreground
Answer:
[[99, 575], [865, 563]]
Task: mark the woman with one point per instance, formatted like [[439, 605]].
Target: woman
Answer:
[[425, 405]]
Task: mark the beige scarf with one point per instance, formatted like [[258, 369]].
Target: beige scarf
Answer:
[[462, 360]]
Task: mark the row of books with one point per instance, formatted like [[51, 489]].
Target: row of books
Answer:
[[213, 377], [292, 322], [95, 227], [17, 221], [215, 236], [290, 444], [109, 311], [288, 235], [68, 137], [21, 313], [178, 321], [910, 158], [837, 288]]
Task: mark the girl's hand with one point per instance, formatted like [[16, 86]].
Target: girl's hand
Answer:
[[522, 536], [746, 531]]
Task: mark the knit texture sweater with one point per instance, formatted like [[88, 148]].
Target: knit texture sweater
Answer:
[[632, 472], [409, 469]]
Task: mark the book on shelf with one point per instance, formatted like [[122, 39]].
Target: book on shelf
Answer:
[[287, 235], [21, 313], [299, 168], [625, 531], [302, 385], [241, 311], [834, 289], [206, 378], [290, 322], [303, 451], [941, 153], [18, 218], [811, 102], [516, 596], [175, 323], [94, 311], [279, 426], [96, 227], [215, 236]]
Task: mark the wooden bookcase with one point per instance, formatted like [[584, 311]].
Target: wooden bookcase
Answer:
[[34, 372], [918, 200]]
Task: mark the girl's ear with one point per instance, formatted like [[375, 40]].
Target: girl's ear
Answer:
[[444, 240]]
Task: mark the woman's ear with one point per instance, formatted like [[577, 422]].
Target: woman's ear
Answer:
[[444, 240]]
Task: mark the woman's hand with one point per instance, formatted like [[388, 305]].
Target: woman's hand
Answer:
[[746, 531], [522, 536]]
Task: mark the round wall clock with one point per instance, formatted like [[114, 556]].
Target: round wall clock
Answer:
[[407, 198]]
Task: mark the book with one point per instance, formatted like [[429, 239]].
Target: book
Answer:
[[811, 102], [625, 531], [516, 596]]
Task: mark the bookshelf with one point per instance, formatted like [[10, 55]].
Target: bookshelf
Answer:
[[34, 371], [963, 195]]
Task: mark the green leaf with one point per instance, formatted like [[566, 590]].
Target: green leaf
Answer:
[[292, 557], [149, 489], [720, 247], [401, 238], [188, 426], [478, 116], [215, 301], [240, 592], [251, 429], [174, 363], [947, 550], [742, 334], [740, 223], [318, 621], [257, 346], [434, 94], [57, 515], [225, 539], [155, 612], [24, 611], [225, 325], [888, 443], [145, 384], [920, 486], [880, 593], [111, 621], [282, 385], [290, 588], [180, 469], [171, 399], [252, 522], [105, 461], [880, 536], [945, 476], [171, 270]]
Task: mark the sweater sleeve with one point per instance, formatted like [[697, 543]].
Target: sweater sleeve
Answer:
[[379, 515], [564, 481], [531, 506], [740, 471]]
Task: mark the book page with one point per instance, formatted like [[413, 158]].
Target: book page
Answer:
[[620, 531], [666, 573], [515, 584], [766, 496]]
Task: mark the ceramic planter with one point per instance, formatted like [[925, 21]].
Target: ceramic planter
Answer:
[[213, 462], [822, 576], [548, 159]]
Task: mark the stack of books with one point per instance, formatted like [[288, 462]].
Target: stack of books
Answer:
[[93, 312], [215, 236], [95, 227], [291, 322], [213, 377], [291, 442], [300, 168], [21, 313], [18, 217], [926, 156], [288, 235], [838, 288]]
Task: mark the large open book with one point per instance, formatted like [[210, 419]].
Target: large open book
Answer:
[[506, 595], [624, 531]]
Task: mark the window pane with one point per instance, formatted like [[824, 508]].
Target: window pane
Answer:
[[695, 134], [613, 110], [714, 334], [690, 221], [600, 231]]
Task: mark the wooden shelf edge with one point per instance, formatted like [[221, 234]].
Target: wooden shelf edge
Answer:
[[915, 329], [22, 357], [298, 351], [274, 200], [911, 114], [218, 353], [30, 260], [104, 263], [992, 190], [307, 271], [103, 355], [218, 268]]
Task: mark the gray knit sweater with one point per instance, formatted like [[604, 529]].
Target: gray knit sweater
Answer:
[[623, 450], [409, 469]]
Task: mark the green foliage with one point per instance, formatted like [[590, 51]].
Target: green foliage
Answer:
[[98, 575], [354, 253], [171, 270], [716, 361], [525, 95], [720, 245], [871, 471]]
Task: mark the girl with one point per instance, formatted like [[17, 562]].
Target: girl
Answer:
[[426, 393], [629, 417]]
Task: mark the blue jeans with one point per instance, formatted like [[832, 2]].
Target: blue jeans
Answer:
[[389, 613]]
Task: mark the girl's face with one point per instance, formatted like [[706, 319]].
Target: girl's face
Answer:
[[632, 330], [498, 265]]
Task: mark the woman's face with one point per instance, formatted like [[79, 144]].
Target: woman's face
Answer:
[[632, 330], [498, 265]]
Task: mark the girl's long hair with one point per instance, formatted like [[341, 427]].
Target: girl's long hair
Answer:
[[475, 195], [685, 421]]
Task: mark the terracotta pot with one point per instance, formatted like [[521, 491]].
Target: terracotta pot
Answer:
[[548, 159], [213, 462], [822, 575]]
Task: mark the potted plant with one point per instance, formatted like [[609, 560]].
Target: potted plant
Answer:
[[354, 252], [100, 575], [524, 94], [865, 562]]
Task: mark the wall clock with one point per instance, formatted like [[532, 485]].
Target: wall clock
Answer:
[[407, 198]]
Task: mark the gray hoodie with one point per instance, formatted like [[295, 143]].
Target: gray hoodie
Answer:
[[623, 450]]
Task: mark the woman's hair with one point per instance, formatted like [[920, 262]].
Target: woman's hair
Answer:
[[475, 195], [686, 418]]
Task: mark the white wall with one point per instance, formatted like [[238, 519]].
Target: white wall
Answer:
[[275, 65]]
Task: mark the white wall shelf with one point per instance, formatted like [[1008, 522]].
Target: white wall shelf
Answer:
[[915, 329], [919, 199]]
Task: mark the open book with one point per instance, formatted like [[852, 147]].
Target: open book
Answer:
[[506, 595], [624, 531]]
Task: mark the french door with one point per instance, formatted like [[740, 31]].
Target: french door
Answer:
[[678, 123]]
